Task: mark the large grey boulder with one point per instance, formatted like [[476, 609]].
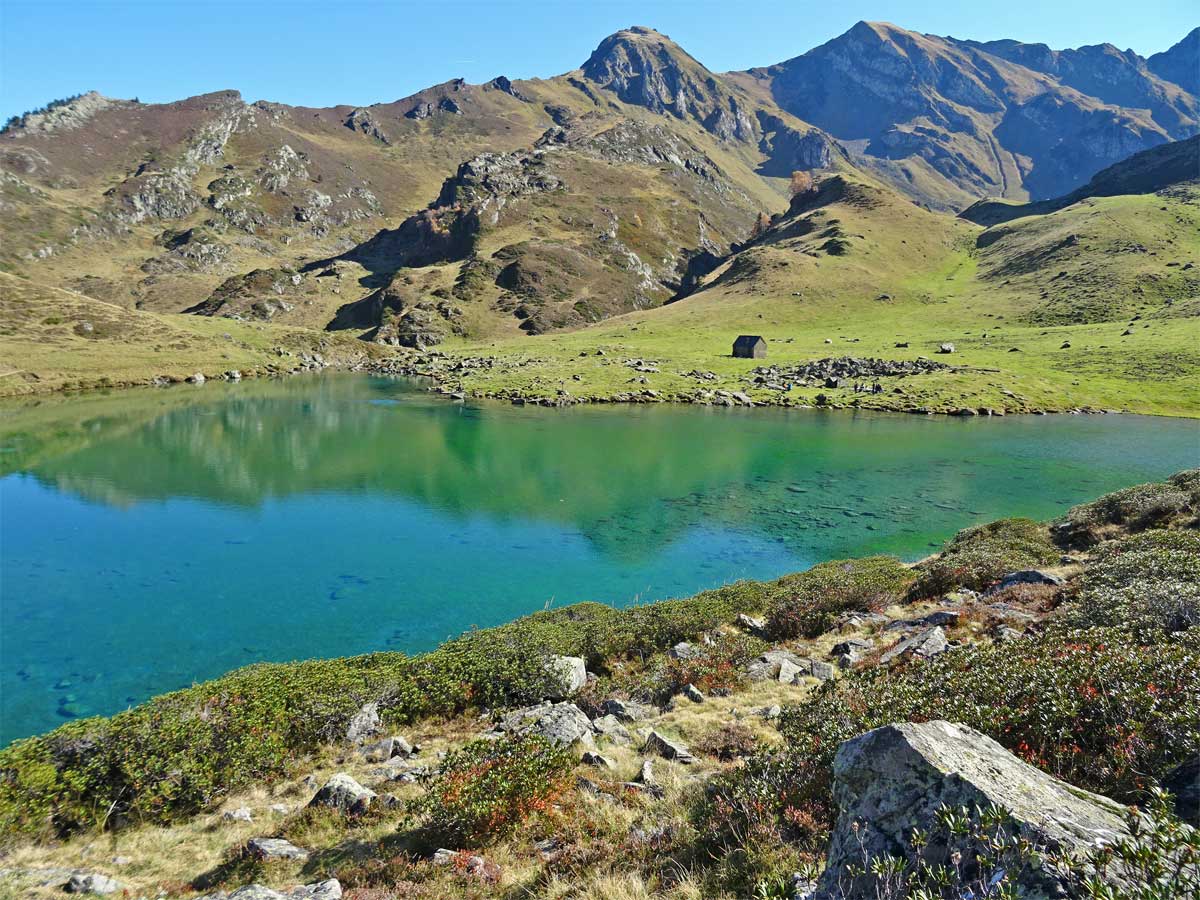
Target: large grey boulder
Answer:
[[568, 674], [559, 723], [91, 883], [627, 710], [330, 889], [344, 793], [894, 779]]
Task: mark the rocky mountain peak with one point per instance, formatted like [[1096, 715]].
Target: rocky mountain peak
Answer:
[[646, 68], [1180, 64]]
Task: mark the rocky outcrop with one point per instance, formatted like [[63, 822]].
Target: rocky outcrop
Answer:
[[645, 68], [559, 723], [894, 779], [260, 295]]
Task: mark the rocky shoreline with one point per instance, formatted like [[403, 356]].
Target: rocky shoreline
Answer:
[[766, 386]]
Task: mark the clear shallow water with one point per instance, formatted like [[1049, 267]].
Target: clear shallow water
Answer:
[[149, 539]]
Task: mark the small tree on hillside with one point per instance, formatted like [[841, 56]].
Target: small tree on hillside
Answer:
[[802, 183], [761, 224]]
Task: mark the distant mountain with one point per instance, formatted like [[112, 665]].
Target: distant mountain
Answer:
[[949, 120], [1180, 64]]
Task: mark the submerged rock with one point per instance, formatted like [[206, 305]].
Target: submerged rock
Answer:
[[894, 779]]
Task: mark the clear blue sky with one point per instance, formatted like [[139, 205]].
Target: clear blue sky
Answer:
[[325, 53]]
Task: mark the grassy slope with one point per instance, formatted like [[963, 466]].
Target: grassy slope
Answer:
[[45, 344], [942, 287]]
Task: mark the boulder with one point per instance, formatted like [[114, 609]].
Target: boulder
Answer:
[[344, 793], [92, 883], [611, 728], [1028, 576], [241, 814], [568, 674], [894, 779], [683, 650], [592, 758], [627, 710], [559, 723], [265, 848], [388, 748], [667, 748], [945, 348], [364, 724], [788, 671], [822, 671], [330, 889], [754, 626], [924, 644], [693, 693]]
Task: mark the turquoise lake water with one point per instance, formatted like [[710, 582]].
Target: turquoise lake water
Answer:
[[149, 539]]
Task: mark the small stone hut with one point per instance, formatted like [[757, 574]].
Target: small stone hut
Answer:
[[750, 346]]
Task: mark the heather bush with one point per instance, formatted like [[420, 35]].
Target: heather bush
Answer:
[[809, 603], [1149, 582], [715, 666], [489, 787], [1135, 508], [730, 741], [979, 557]]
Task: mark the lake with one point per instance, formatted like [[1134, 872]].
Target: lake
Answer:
[[152, 538]]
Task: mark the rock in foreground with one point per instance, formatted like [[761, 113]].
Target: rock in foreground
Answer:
[[894, 779]]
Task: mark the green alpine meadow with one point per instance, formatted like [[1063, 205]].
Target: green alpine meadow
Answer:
[[635, 481]]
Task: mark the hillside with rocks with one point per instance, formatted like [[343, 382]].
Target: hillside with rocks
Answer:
[[1018, 712]]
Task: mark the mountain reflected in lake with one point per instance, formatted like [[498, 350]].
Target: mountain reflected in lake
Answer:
[[152, 538]]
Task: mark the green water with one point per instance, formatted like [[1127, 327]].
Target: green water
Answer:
[[152, 538]]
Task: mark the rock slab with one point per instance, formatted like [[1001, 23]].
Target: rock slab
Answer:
[[895, 778]]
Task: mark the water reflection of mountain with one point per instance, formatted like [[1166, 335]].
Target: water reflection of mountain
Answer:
[[626, 478], [630, 479]]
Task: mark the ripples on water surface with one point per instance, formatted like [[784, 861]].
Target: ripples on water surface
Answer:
[[149, 539]]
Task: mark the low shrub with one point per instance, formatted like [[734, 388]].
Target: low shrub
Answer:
[[489, 787], [979, 557], [809, 602], [1146, 583], [1095, 707], [730, 741], [713, 667], [1135, 508]]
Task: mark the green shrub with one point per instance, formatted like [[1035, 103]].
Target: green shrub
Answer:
[[979, 557], [1097, 708], [811, 601], [715, 667], [1135, 508], [1148, 582], [489, 787]]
